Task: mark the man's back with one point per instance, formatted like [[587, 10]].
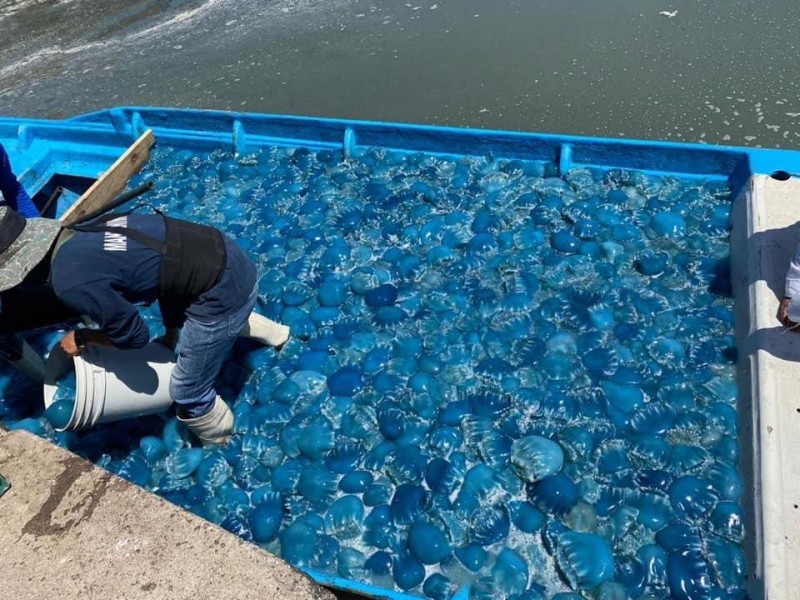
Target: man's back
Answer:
[[105, 273]]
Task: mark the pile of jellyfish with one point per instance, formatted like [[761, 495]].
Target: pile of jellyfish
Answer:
[[498, 376]]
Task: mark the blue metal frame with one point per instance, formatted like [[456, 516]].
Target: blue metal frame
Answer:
[[88, 144]]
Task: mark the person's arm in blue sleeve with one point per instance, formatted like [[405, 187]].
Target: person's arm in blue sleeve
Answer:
[[14, 194], [118, 319]]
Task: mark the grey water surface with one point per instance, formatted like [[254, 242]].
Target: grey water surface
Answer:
[[715, 71]]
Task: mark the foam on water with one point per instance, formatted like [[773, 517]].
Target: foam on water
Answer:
[[497, 375]]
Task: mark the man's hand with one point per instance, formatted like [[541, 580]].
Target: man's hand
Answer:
[[68, 345], [783, 312], [92, 336]]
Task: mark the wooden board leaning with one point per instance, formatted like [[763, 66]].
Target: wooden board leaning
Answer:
[[113, 181]]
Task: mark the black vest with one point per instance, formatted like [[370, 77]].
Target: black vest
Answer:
[[193, 256]]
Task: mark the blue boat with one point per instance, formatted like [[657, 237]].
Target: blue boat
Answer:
[[75, 152]]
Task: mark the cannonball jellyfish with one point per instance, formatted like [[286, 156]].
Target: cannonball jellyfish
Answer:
[[535, 457], [428, 543]]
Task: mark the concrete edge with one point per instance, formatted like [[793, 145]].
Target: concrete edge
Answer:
[[765, 232], [72, 529]]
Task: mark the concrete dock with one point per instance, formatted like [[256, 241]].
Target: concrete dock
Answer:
[[69, 529], [766, 230]]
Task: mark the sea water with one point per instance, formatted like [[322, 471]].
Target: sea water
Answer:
[[498, 375]]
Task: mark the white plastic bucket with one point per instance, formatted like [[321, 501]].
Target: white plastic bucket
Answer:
[[112, 384]]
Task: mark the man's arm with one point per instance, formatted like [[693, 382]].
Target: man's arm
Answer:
[[119, 320], [71, 346], [13, 192], [791, 289]]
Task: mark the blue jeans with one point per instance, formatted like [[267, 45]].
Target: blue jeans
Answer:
[[203, 349]]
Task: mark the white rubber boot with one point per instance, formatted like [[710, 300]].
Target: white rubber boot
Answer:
[[215, 426], [261, 329], [30, 363]]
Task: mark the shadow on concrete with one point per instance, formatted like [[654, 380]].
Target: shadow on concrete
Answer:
[[777, 341], [780, 243]]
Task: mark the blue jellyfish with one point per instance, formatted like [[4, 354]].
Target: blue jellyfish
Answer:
[[555, 493], [653, 564], [299, 543], [584, 559], [668, 224], [688, 576], [316, 437], [59, 413], [379, 492], [213, 471], [350, 564], [379, 563], [510, 573], [492, 445], [438, 587], [565, 242], [344, 456], [526, 517], [489, 524], [238, 526], [443, 440], [472, 556], [383, 295], [345, 517], [317, 484], [535, 457], [333, 290], [623, 398], [654, 479], [346, 381], [442, 475], [428, 543], [406, 464], [407, 571], [479, 482], [135, 470], [308, 381], [679, 537], [266, 518], [355, 482], [183, 462], [649, 451], [692, 498], [652, 263], [407, 503], [295, 293], [726, 481], [175, 435], [727, 521], [439, 256], [153, 449], [487, 404], [727, 563], [654, 417]]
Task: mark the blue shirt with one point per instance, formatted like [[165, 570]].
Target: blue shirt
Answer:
[[14, 194], [104, 275]]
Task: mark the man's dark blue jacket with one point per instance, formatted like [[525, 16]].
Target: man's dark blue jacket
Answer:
[[14, 194], [104, 275]]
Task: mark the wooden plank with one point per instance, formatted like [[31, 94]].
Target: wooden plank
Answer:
[[113, 181]]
